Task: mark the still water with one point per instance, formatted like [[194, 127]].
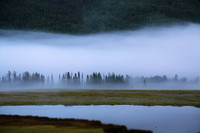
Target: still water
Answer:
[[159, 119]]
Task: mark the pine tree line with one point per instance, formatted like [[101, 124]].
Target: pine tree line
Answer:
[[24, 77], [78, 78], [66, 78]]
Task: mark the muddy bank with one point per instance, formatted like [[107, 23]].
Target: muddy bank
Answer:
[[9, 121]]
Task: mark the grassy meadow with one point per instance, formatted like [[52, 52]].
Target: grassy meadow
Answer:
[[29, 124], [102, 97]]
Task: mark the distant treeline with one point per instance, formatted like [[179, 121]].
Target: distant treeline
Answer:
[[66, 78], [24, 77], [69, 78], [89, 16]]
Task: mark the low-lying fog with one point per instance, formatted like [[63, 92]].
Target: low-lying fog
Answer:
[[147, 52]]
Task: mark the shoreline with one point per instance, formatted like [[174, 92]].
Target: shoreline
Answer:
[[16, 123]]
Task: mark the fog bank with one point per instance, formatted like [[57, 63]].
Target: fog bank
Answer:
[[146, 52]]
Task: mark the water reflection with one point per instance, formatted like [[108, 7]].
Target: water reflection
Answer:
[[160, 119]]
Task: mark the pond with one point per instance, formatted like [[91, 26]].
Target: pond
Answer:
[[159, 119]]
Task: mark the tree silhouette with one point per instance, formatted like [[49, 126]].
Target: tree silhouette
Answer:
[[20, 77], [68, 76], [14, 76], [9, 76], [42, 78], [26, 76], [93, 78], [88, 78], [79, 75]]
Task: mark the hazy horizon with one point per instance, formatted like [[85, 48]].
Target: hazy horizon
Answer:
[[146, 52]]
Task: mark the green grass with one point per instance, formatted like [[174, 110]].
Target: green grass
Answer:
[[102, 97]]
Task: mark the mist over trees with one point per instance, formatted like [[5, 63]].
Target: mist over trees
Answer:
[[94, 80], [24, 77]]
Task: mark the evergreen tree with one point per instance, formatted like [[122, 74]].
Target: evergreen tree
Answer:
[[87, 78], [99, 77], [79, 75], [82, 77], [26, 76], [19, 77], [37, 76], [9, 76], [68, 76], [14, 76], [75, 77], [42, 78]]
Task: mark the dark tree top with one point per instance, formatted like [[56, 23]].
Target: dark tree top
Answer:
[[90, 16]]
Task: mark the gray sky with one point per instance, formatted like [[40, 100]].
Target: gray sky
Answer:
[[148, 52]]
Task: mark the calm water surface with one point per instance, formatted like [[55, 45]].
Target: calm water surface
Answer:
[[159, 119]]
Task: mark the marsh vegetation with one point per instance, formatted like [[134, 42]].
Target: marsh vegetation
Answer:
[[101, 97], [27, 124]]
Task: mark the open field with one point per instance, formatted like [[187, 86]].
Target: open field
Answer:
[[30, 124], [102, 97]]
